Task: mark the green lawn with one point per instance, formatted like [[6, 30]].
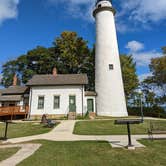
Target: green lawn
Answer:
[[23, 129], [112, 118], [107, 127], [7, 152], [92, 153]]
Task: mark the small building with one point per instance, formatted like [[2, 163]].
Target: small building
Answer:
[[14, 101], [14, 96], [59, 95]]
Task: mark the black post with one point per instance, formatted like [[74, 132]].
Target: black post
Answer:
[[5, 137], [129, 135]]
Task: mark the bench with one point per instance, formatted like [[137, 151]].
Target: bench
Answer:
[[155, 128]]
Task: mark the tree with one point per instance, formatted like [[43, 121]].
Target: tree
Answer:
[[164, 49], [158, 69], [74, 56], [73, 52], [40, 60], [37, 61], [130, 77], [157, 82], [70, 54], [9, 70]]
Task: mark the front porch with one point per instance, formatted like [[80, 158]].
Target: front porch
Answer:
[[11, 112]]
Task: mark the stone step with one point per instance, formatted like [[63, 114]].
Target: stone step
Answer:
[[92, 115], [72, 116]]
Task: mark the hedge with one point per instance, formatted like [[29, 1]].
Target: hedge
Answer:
[[148, 111]]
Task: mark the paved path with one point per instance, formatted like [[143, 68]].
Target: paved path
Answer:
[[25, 151], [64, 132]]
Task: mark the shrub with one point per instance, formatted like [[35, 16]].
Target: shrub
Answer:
[[148, 111]]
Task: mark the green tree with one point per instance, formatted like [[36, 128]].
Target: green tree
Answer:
[[158, 78], [130, 77], [158, 69], [73, 52], [10, 68], [70, 54], [164, 49], [37, 61], [74, 56]]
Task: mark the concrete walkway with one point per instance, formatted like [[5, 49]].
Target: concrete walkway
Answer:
[[64, 132], [25, 151]]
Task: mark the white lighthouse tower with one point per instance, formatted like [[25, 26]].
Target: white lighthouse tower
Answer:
[[108, 76]]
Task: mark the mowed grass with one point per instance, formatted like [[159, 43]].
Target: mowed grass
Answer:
[[7, 152], [107, 127], [93, 153], [23, 129]]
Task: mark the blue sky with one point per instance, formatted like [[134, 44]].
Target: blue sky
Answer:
[[25, 24]]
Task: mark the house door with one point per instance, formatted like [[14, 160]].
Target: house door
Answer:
[[90, 107], [72, 103]]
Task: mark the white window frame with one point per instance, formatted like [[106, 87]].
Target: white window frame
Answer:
[[39, 108], [59, 97]]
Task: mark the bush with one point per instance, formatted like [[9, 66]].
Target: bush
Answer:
[[148, 111]]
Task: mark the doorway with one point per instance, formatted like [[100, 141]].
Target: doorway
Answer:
[[90, 105], [72, 103]]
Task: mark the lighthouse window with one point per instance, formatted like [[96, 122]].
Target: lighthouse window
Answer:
[[111, 66], [99, 6]]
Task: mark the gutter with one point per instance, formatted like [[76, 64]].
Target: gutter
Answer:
[[82, 100], [30, 103]]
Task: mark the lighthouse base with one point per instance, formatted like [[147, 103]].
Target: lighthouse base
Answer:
[[115, 114]]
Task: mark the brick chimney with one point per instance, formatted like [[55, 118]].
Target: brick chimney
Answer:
[[14, 80], [54, 71]]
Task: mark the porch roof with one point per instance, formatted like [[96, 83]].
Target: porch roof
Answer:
[[10, 98], [13, 90]]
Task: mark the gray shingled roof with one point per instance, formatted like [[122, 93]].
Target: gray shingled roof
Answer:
[[60, 79], [14, 90], [10, 98]]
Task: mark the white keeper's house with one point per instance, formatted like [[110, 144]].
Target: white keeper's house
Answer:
[[59, 95]]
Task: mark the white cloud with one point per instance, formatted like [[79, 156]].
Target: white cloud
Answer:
[[134, 46], [141, 13], [145, 10], [141, 57], [144, 58], [77, 8], [72, 1], [8, 9], [144, 76]]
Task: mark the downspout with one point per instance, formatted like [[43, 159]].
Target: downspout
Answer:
[[82, 100], [96, 108], [30, 103]]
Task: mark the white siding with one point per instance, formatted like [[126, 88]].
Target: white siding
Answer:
[[49, 92]]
